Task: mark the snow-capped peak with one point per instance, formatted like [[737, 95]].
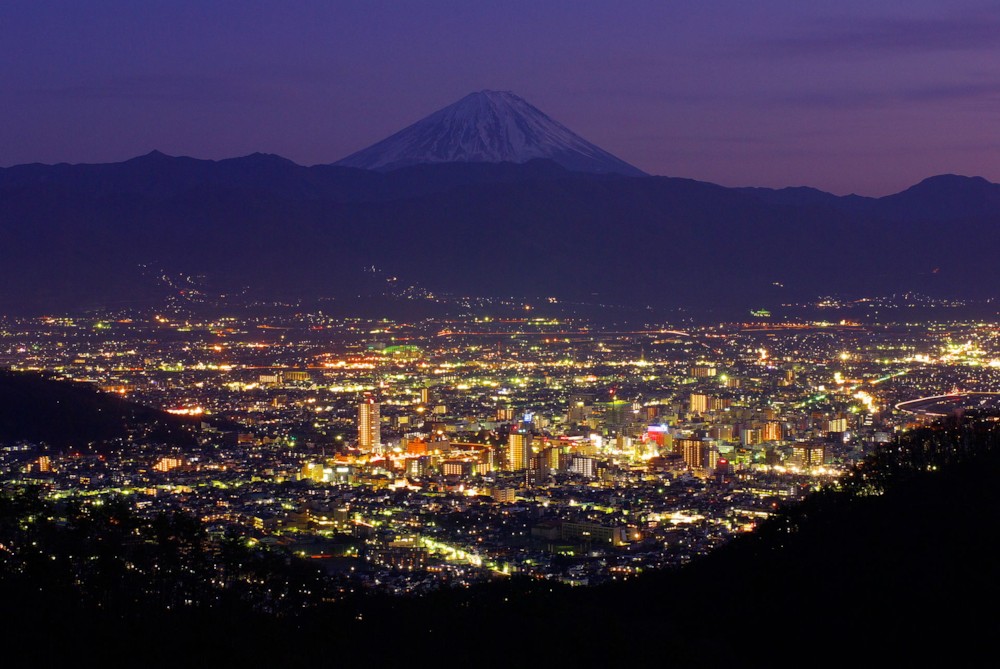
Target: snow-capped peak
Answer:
[[488, 126]]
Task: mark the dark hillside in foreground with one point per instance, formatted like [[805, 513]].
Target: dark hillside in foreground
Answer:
[[897, 566], [71, 415]]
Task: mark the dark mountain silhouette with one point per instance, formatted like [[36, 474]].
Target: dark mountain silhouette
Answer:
[[803, 196], [75, 235], [945, 198]]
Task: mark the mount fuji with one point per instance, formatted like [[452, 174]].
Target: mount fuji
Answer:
[[488, 127]]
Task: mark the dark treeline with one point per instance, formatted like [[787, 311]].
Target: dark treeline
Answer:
[[892, 564]]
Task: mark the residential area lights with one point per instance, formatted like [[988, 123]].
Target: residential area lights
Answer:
[[482, 453]]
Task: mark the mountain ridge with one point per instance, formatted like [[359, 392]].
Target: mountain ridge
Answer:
[[279, 229], [21, 173]]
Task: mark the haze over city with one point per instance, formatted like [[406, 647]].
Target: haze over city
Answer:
[[852, 97]]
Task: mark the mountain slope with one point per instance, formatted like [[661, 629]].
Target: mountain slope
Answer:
[[488, 127], [944, 198], [75, 235], [63, 414]]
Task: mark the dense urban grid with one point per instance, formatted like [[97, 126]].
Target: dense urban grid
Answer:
[[400, 457]]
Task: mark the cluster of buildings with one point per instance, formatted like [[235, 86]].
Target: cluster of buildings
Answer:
[[403, 456]]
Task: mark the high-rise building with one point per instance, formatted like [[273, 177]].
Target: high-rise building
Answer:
[[771, 431], [583, 465], [721, 432], [694, 452], [369, 429], [551, 454], [164, 464], [503, 495], [698, 403], [808, 454], [417, 466], [519, 450], [718, 403]]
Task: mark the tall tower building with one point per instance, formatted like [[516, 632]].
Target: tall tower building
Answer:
[[369, 428], [519, 450]]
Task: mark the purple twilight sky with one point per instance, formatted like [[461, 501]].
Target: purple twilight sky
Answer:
[[852, 96]]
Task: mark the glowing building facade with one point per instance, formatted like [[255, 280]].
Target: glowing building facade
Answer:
[[369, 430]]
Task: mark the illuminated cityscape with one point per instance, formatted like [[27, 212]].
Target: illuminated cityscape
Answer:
[[541, 446], [527, 333]]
